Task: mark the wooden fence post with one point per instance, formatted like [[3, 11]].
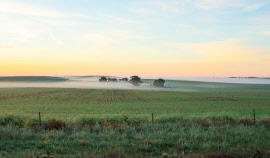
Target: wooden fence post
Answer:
[[153, 118], [254, 116], [39, 118]]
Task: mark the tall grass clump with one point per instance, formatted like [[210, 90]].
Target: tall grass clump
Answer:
[[54, 124], [111, 121], [13, 120]]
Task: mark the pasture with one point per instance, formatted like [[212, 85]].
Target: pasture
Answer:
[[192, 119], [188, 99]]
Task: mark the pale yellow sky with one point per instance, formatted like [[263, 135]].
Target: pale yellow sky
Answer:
[[154, 38]]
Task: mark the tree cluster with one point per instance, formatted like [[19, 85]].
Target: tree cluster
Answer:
[[104, 79], [124, 79], [159, 83], [112, 79], [135, 80]]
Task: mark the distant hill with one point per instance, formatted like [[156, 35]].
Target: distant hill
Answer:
[[94, 76], [32, 79], [252, 77], [87, 76]]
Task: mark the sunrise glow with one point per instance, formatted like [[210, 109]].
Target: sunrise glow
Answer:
[[150, 38]]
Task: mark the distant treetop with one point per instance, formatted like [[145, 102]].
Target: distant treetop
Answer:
[[103, 79], [124, 79], [135, 80], [159, 83]]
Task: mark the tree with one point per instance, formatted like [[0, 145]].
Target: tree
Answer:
[[159, 83], [112, 79], [125, 79], [103, 79], [135, 80]]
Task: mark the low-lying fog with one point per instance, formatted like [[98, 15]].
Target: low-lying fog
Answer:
[[72, 82], [224, 79], [92, 82]]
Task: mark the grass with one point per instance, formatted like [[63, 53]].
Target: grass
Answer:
[[195, 119], [70, 104], [145, 140]]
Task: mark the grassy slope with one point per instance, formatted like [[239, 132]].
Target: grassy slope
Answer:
[[32, 79]]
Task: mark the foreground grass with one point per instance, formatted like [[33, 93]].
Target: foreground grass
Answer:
[[107, 139]]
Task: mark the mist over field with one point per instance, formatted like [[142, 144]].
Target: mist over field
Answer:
[[242, 80], [92, 82], [64, 82]]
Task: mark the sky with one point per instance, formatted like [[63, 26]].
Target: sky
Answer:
[[136, 37]]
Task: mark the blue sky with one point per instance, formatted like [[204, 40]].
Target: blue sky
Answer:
[[169, 34]]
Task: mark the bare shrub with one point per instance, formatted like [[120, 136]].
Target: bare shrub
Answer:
[[246, 122], [226, 154], [54, 124], [203, 122], [265, 122], [113, 154]]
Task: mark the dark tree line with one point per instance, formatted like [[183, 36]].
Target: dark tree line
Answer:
[[134, 80], [104, 79]]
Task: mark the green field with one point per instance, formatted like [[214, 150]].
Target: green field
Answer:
[[188, 99], [192, 119]]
